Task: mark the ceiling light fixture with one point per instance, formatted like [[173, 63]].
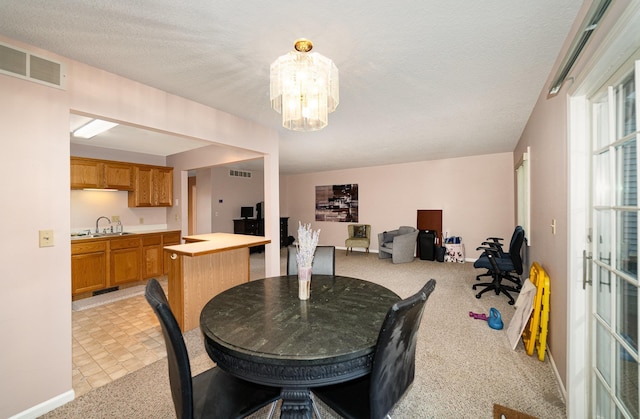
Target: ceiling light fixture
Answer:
[[93, 128], [304, 88]]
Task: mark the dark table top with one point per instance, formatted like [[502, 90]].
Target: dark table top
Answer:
[[263, 332]]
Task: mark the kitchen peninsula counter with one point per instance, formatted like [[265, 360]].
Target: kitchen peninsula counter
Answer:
[[203, 267]]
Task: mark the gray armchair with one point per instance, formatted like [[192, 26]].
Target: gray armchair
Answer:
[[399, 245]]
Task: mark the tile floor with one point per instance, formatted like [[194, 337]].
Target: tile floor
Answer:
[[113, 340]]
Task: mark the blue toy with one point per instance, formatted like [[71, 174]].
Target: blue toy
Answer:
[[495, 319]]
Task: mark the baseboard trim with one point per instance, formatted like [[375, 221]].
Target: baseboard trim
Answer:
[[358, 249], [556, 373], [47, 406]]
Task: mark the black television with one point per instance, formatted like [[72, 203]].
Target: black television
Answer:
[[246, 212]]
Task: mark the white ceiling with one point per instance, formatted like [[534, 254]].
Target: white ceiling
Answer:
[[419, 79]]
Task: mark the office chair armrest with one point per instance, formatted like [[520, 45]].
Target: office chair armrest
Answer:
[[495, 239], [489, 250]]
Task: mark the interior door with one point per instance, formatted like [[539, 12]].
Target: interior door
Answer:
[[613, 321]]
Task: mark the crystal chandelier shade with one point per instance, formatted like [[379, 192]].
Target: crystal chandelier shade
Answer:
[[304, 88]]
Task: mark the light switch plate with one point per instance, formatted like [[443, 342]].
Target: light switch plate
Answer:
[[46, 238]]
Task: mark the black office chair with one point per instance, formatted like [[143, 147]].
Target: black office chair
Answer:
[[374, 395], [213, 393], [508, 266], [496, 242], [324, 260]]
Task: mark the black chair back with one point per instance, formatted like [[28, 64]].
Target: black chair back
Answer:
[[394, 362], [177, 356], [324, 260], [515, 249]]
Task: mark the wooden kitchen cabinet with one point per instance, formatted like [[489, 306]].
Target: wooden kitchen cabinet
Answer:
[[153, 187], [106, 262], [169, 239], [118, 176], [101, 174], [152, 256], [125, 260], [163, 184], [88, 267]]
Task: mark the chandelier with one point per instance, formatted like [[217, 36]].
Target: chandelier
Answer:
[[304, 88]]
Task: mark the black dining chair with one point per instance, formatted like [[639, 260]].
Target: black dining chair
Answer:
[[375, 395], [324, 260], [213, 393]]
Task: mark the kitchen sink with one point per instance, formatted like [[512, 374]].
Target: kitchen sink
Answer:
[[95, 235]]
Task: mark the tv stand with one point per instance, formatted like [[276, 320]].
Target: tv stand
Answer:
[[255, 227]]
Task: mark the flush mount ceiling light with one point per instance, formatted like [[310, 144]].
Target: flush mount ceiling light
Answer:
[[304, 88], [93, 128]]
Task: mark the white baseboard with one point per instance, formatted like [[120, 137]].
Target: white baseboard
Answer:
[[563, 390], [359, 249], [47, 406]]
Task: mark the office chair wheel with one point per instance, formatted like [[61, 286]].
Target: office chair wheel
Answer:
[[478, 296]]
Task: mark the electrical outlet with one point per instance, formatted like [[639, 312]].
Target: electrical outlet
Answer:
[[46, 238], [115, 218]]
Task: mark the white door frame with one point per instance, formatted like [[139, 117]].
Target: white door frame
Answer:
[[621, 43], [578, 309]]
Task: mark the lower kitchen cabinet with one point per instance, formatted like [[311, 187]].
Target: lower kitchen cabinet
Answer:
[[126, 261], [88, 267], [152, 256], [169, 239], [107, 262]]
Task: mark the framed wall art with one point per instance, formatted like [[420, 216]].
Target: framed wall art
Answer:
[[337, 203]]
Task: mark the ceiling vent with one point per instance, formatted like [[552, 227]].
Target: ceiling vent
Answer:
[[239, 173], [589, 25], [25, 65]]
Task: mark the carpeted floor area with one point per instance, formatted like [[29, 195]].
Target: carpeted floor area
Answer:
[[463, 367]]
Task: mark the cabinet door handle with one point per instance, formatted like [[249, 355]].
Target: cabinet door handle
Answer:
[[174, 256]]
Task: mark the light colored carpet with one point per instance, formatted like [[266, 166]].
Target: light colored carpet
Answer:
[[463, 367]]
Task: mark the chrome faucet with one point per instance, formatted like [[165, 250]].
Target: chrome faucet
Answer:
[[98, 220]]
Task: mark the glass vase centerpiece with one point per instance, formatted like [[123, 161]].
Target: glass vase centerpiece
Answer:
[[306, 247]]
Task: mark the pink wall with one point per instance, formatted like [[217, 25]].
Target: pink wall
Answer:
[[235, 192], [475, 193], [35, 303], [546, 133]]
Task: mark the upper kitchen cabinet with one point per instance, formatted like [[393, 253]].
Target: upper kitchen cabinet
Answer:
[[153, 187], [101, 174]]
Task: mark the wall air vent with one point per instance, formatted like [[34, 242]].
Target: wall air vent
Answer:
[[25, 65], [589, 25], [239, 173]]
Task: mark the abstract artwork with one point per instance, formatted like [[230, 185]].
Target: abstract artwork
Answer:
[[338, 203]]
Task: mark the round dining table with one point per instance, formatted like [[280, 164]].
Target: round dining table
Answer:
[[262, 332]]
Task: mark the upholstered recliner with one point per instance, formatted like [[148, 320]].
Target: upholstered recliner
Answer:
[[359, 236], [399, 245]]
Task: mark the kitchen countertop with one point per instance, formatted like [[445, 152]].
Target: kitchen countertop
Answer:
[[132, 234], [202, 244]]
